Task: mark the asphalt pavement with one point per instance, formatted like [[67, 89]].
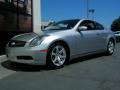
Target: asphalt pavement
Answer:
[[95, 72]]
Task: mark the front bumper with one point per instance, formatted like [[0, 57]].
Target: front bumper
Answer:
[[36, 56]]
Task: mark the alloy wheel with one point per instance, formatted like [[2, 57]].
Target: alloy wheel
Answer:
[[110, 47], [58, 55]]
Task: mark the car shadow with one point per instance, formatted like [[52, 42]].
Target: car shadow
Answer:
[[37, 68], [23, 67], [85, 58]]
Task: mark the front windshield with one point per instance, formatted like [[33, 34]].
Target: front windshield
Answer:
[[62, 25]]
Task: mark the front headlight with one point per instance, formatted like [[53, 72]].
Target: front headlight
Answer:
[[35, 42]]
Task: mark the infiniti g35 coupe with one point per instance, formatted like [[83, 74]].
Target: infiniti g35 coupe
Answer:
[[61, 42]]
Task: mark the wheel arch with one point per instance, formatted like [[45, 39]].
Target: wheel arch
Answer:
[[63, 42], [111, 38]]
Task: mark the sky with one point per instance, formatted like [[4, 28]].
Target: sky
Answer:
[[105, 10]]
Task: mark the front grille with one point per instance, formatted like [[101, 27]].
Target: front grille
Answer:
[[15, 43]]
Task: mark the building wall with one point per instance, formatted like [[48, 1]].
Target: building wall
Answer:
[[15, 18]]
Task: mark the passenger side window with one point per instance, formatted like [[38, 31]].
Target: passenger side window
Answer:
[[89, 24], [99, 26]]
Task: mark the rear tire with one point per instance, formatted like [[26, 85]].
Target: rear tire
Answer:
[[110, 47], [57, 55]]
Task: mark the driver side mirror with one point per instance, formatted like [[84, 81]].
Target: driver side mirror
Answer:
[[82, 28]]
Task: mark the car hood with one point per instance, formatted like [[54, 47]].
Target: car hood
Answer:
[[25, 37], [29, 36], [49, 32], [53, 32]]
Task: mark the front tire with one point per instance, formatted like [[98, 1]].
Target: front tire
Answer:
[[57, 55]]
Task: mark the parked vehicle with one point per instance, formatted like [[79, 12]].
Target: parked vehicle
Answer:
[[61, 42], [117, 35]]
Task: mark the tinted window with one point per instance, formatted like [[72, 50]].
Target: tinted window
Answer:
[[99, 26], [89, 24]]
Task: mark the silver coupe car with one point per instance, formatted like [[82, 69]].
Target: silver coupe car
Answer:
[[61, 42]]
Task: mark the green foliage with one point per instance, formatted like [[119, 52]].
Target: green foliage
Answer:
[[115, 26]]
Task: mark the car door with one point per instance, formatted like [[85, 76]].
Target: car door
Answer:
[[101, 36], [87, 40]]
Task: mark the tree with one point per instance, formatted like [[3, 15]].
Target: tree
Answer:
[[115, 26]]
